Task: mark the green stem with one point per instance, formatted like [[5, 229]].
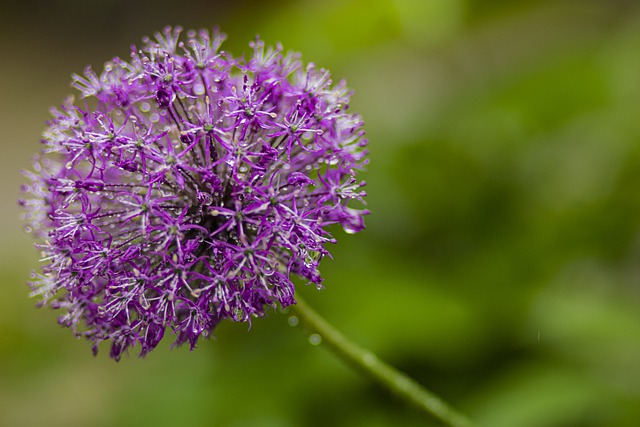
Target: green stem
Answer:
[[386, 375]]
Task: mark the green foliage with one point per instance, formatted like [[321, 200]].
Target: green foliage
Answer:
[[500, 264]]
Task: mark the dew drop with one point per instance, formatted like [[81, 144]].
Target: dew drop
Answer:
[[315, 339], [144, 303], [28, 229], [268, 270], [293, 321], [349, 229]]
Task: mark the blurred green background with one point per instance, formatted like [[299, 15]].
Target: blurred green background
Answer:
[[501, 263]]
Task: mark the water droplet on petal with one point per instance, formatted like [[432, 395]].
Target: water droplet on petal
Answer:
[[144, 303]]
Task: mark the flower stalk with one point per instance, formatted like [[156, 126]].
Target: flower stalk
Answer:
[[369, 364]]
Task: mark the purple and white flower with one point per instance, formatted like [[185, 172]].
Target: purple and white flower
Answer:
[[187, 187]]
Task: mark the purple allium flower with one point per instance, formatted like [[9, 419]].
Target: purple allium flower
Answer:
[[187, 187]]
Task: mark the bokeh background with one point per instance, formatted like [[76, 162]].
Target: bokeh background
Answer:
[[501, 263]]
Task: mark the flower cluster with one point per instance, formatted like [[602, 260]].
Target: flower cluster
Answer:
[[187, 187]]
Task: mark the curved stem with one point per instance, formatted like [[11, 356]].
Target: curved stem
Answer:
[[386, 375]]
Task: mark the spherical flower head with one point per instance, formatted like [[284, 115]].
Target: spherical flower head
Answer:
[[187, 187]]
